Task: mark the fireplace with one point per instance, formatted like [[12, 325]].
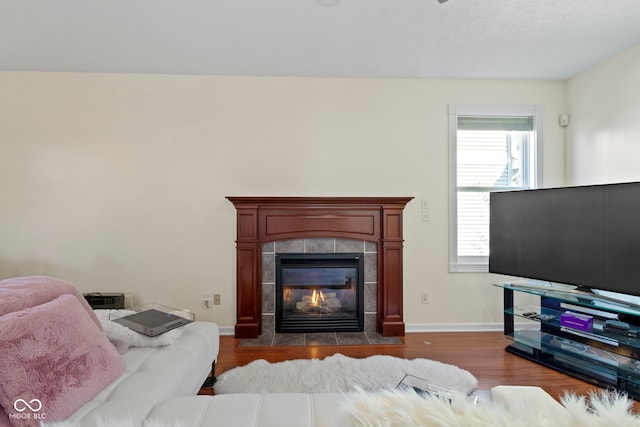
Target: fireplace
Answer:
[[320, 292], [262, 219]]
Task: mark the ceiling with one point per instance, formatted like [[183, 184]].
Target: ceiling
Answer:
[[486, 39]]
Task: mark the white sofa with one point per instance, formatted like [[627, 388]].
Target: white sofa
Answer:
[[153, 375], [327, 409], [57, 364]]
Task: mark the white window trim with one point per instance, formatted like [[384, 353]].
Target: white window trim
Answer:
[[481, 264]]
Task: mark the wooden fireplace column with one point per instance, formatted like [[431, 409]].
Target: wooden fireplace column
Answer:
[[266, 219]]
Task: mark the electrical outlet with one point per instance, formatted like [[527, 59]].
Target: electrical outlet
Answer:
[[425, 297], [207, 300], [425, 215], [216, 299]]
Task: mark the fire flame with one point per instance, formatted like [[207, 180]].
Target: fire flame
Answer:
[[316, 297]]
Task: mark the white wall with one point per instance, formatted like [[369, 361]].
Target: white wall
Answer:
[[117, 182], [603, 139]]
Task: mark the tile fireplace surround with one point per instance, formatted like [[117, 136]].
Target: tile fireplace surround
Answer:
[[318, 245], [262, 220]]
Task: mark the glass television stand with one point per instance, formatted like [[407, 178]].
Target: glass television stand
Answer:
[[579, 333]]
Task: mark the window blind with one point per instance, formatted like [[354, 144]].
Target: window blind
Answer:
[[496, 123], [491, 153]]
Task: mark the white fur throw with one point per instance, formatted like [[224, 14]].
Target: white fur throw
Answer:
[[123, 338], [409, 409]]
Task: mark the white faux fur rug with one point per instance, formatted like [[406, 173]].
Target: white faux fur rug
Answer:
[[408, 409], [339, 373]]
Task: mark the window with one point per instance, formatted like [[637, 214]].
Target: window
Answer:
[[492, 148]]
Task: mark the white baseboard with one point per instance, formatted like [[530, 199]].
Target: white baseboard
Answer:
[[453, 327], [227, 330]]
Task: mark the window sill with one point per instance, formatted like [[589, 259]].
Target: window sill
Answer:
[[468, 268]]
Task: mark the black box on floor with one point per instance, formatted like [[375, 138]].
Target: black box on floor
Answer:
[[101, 300]]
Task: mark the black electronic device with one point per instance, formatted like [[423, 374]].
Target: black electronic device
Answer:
[[587, 236], [616, 324], [618, 328], [152, 322], [102, 300]]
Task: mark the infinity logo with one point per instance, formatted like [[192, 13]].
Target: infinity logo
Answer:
[[37, 405]]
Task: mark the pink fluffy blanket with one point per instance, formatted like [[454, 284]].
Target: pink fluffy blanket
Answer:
[[23, 292], [53, 357]]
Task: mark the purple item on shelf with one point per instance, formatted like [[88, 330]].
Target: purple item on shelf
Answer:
[[582, 322]]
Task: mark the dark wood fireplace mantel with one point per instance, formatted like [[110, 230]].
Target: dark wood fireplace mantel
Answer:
[[267, 219]]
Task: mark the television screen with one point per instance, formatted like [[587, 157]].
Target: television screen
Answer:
[[587, 236]]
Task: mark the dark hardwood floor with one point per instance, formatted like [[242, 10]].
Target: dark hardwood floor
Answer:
[[481, 353]]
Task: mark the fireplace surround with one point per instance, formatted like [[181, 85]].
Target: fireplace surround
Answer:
[[267, 219]]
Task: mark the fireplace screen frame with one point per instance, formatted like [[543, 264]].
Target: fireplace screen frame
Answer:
[[322, 323]]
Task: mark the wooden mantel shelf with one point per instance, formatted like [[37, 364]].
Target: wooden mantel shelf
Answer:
[[264, 219], [319, 200]]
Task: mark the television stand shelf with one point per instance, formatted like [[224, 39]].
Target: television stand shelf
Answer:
[[593, 354]]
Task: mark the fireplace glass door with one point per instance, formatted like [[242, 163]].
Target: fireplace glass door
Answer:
[[319, 292]]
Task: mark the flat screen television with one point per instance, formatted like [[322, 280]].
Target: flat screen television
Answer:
[[587, 236]]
